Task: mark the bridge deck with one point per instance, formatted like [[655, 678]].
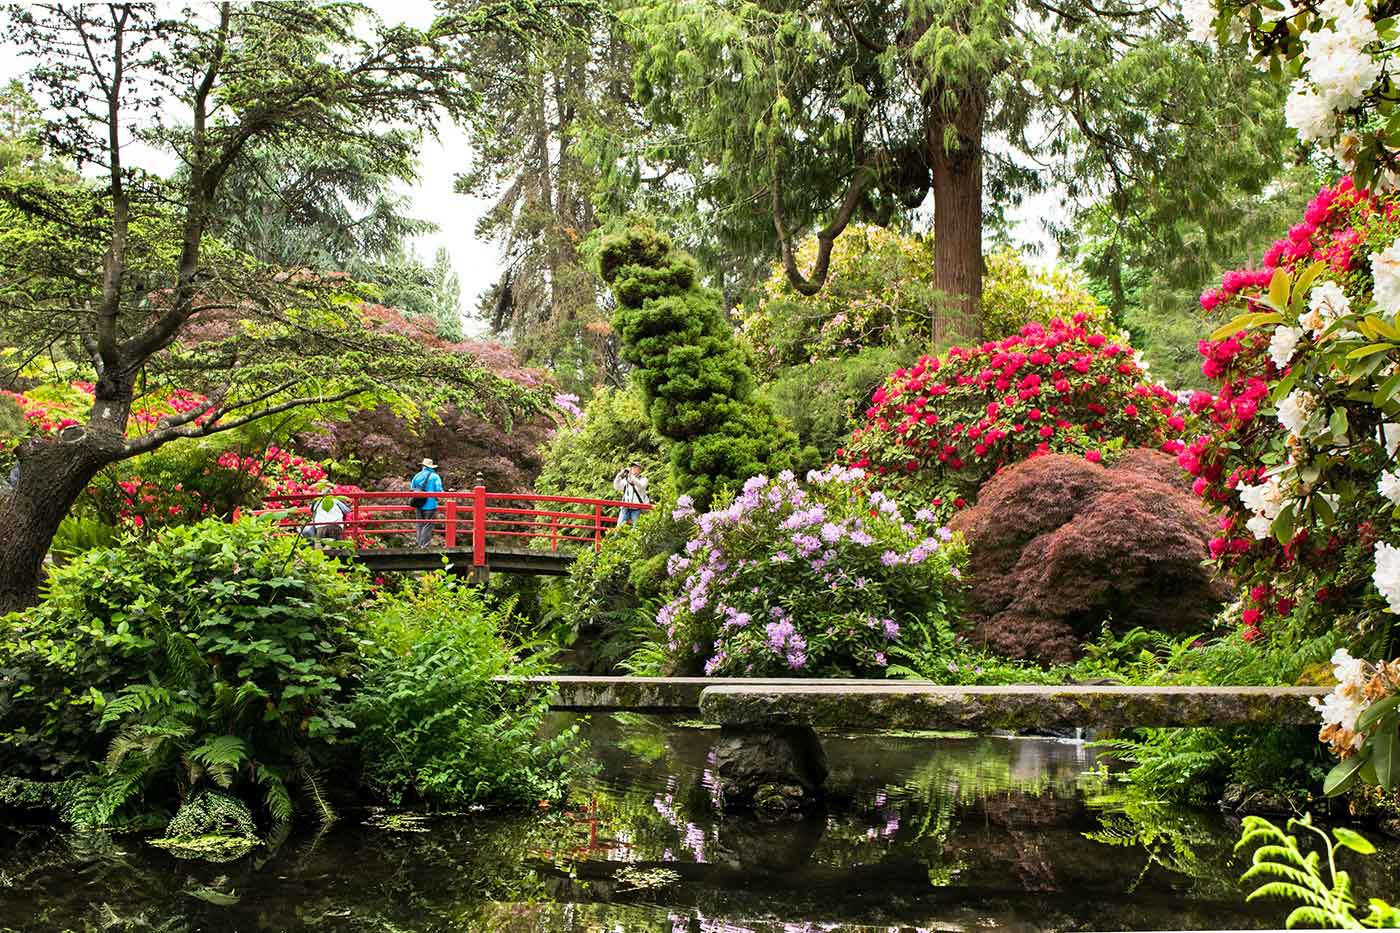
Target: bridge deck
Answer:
[[498, 560], [873, 704]]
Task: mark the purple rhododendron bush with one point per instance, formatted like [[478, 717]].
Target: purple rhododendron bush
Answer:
[[1060, 546], [824, 578]]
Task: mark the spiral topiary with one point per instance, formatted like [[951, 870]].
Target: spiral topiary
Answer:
[[697, 383]]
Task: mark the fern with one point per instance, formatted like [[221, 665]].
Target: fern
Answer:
[[222, 756], [275, 796], [1289, 873]]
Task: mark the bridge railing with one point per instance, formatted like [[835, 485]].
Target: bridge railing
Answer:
[[475, 518]]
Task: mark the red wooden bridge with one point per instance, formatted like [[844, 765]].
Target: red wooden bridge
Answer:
[[475, 531]]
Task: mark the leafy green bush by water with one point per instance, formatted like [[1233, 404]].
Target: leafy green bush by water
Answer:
[[212, 656], [1290, 872], [434, 726]]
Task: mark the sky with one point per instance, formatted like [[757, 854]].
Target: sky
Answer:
[[477, 262]]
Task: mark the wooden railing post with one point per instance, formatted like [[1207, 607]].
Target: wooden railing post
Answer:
[[479, 524], [449, 534], [597, 526], [554, 534]]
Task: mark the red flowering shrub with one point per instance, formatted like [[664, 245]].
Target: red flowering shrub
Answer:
[[939, 429], [1060, 545], [1298, 454], [182, 484]]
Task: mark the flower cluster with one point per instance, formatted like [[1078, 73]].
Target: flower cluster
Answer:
[[1360, 719], [1359, 684], [1304, 427], [1339, 50], [180, 485], [48, 409], [822, 578], [943, 426]]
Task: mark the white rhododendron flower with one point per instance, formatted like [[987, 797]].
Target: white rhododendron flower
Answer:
[[1295, 411], [1340, 69], [1389, 486], [1385, 269], [1326, 303], [1265, 500], [1343, 705], [1390, 434], [1387, 574], [1200, 18], [1284, 344], [1309, 114]]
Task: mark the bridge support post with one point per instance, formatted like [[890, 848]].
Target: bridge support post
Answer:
[[772, 769]]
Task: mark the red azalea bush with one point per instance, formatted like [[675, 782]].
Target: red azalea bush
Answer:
[[1060, 546], [939, 429], [1298, 461], [183, 483]]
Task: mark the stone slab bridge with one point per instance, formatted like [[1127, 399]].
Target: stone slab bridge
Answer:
[[475, 532], [769, 755]]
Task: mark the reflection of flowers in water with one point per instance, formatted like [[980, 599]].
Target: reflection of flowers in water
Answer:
[[692, 836]]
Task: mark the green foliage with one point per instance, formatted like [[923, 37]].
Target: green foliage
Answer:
[[1289, 872], [823, 401], [434, 725], [583, 457], [212, 656], [1014, 294], [697, 383], [613, 593], [76, 535], [799, 117], [880, 293]]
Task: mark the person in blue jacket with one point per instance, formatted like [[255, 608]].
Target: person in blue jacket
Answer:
[[425, 506]]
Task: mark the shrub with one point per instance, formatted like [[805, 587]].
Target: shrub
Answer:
[[434, 726], [879, 292], [1061, 547], [697, 383], [609, 589], [213, 655], [1304, 428], [814, 581], [939, 429], [824, 401], [1014, 295], [583, 457]]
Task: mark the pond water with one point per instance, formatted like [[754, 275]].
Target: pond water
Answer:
[[920, 833]]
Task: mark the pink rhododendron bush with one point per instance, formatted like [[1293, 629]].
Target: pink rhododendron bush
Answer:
[[1061, 547], [818, 579], [1299, 458], [936, 431]]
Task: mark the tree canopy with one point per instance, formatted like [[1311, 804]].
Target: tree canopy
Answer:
[[124, 277], [788, 117]]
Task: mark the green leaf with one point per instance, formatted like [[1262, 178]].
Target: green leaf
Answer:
[[1385, 745], [1342, 776], [1371, 349], [1375, 711], [1246, 322], [1337, 424], [1354, 841], [1304, 283], [1278, 289], [1283, 524], [1387, 390]]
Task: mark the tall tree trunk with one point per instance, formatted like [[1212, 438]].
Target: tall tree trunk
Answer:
[[52, 477], [957, 213]]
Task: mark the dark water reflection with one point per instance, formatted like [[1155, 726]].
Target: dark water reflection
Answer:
[[919, 833]]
